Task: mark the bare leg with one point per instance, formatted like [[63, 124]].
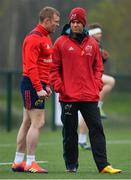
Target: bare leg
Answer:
[[83, 129], [109, 83], [28, 136], [82, 126], [37, 122], [21, 137]]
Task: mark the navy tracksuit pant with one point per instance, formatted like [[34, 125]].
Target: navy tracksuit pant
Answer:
[[91, 115]]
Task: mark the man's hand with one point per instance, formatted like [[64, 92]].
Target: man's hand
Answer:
[[105, 54], [42, 94], [48, 90]]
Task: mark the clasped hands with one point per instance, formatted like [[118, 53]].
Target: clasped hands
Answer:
[[44, 94]]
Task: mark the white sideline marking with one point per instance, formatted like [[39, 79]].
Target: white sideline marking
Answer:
[[119, 142], [49, 144], [9, 163]]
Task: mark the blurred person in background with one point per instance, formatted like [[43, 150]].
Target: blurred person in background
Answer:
[[37, 59], [95, 30], [76, 75]]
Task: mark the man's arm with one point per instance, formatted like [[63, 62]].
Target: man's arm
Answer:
[[56, 70], [104, 54], [98, 68], [31, 54]]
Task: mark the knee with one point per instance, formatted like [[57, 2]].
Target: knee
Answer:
[[112, 82], [42, 123], [26, 124], [38, 124]]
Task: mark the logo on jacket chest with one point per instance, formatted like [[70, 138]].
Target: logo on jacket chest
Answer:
[[88, 50], [71, 48], [47, 50], [48, 46]]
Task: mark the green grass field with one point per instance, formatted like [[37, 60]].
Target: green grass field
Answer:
[[50, 150], [118, 133]]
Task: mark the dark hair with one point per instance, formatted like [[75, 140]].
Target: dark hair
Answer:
[[47, 12], [94, 25]]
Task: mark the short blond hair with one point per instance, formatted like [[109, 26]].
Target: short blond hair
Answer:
[[47, 12]]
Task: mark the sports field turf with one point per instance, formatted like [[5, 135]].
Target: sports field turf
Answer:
[[118, 132], [50, 150]]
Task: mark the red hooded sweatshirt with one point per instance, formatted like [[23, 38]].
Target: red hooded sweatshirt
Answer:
[[77, 69], [37, 56]]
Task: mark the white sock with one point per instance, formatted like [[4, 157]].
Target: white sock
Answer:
[[19, 157], [30, 159], [100, 104], [82, 138]]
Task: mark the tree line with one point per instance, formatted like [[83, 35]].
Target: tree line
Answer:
[[18, 17]]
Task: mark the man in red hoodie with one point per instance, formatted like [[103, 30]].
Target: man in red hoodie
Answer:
[[76, 75], [36, 59]]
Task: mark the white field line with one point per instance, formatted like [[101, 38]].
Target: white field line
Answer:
[[114, 142], [65, 179], [119, 142], [9, 163]]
